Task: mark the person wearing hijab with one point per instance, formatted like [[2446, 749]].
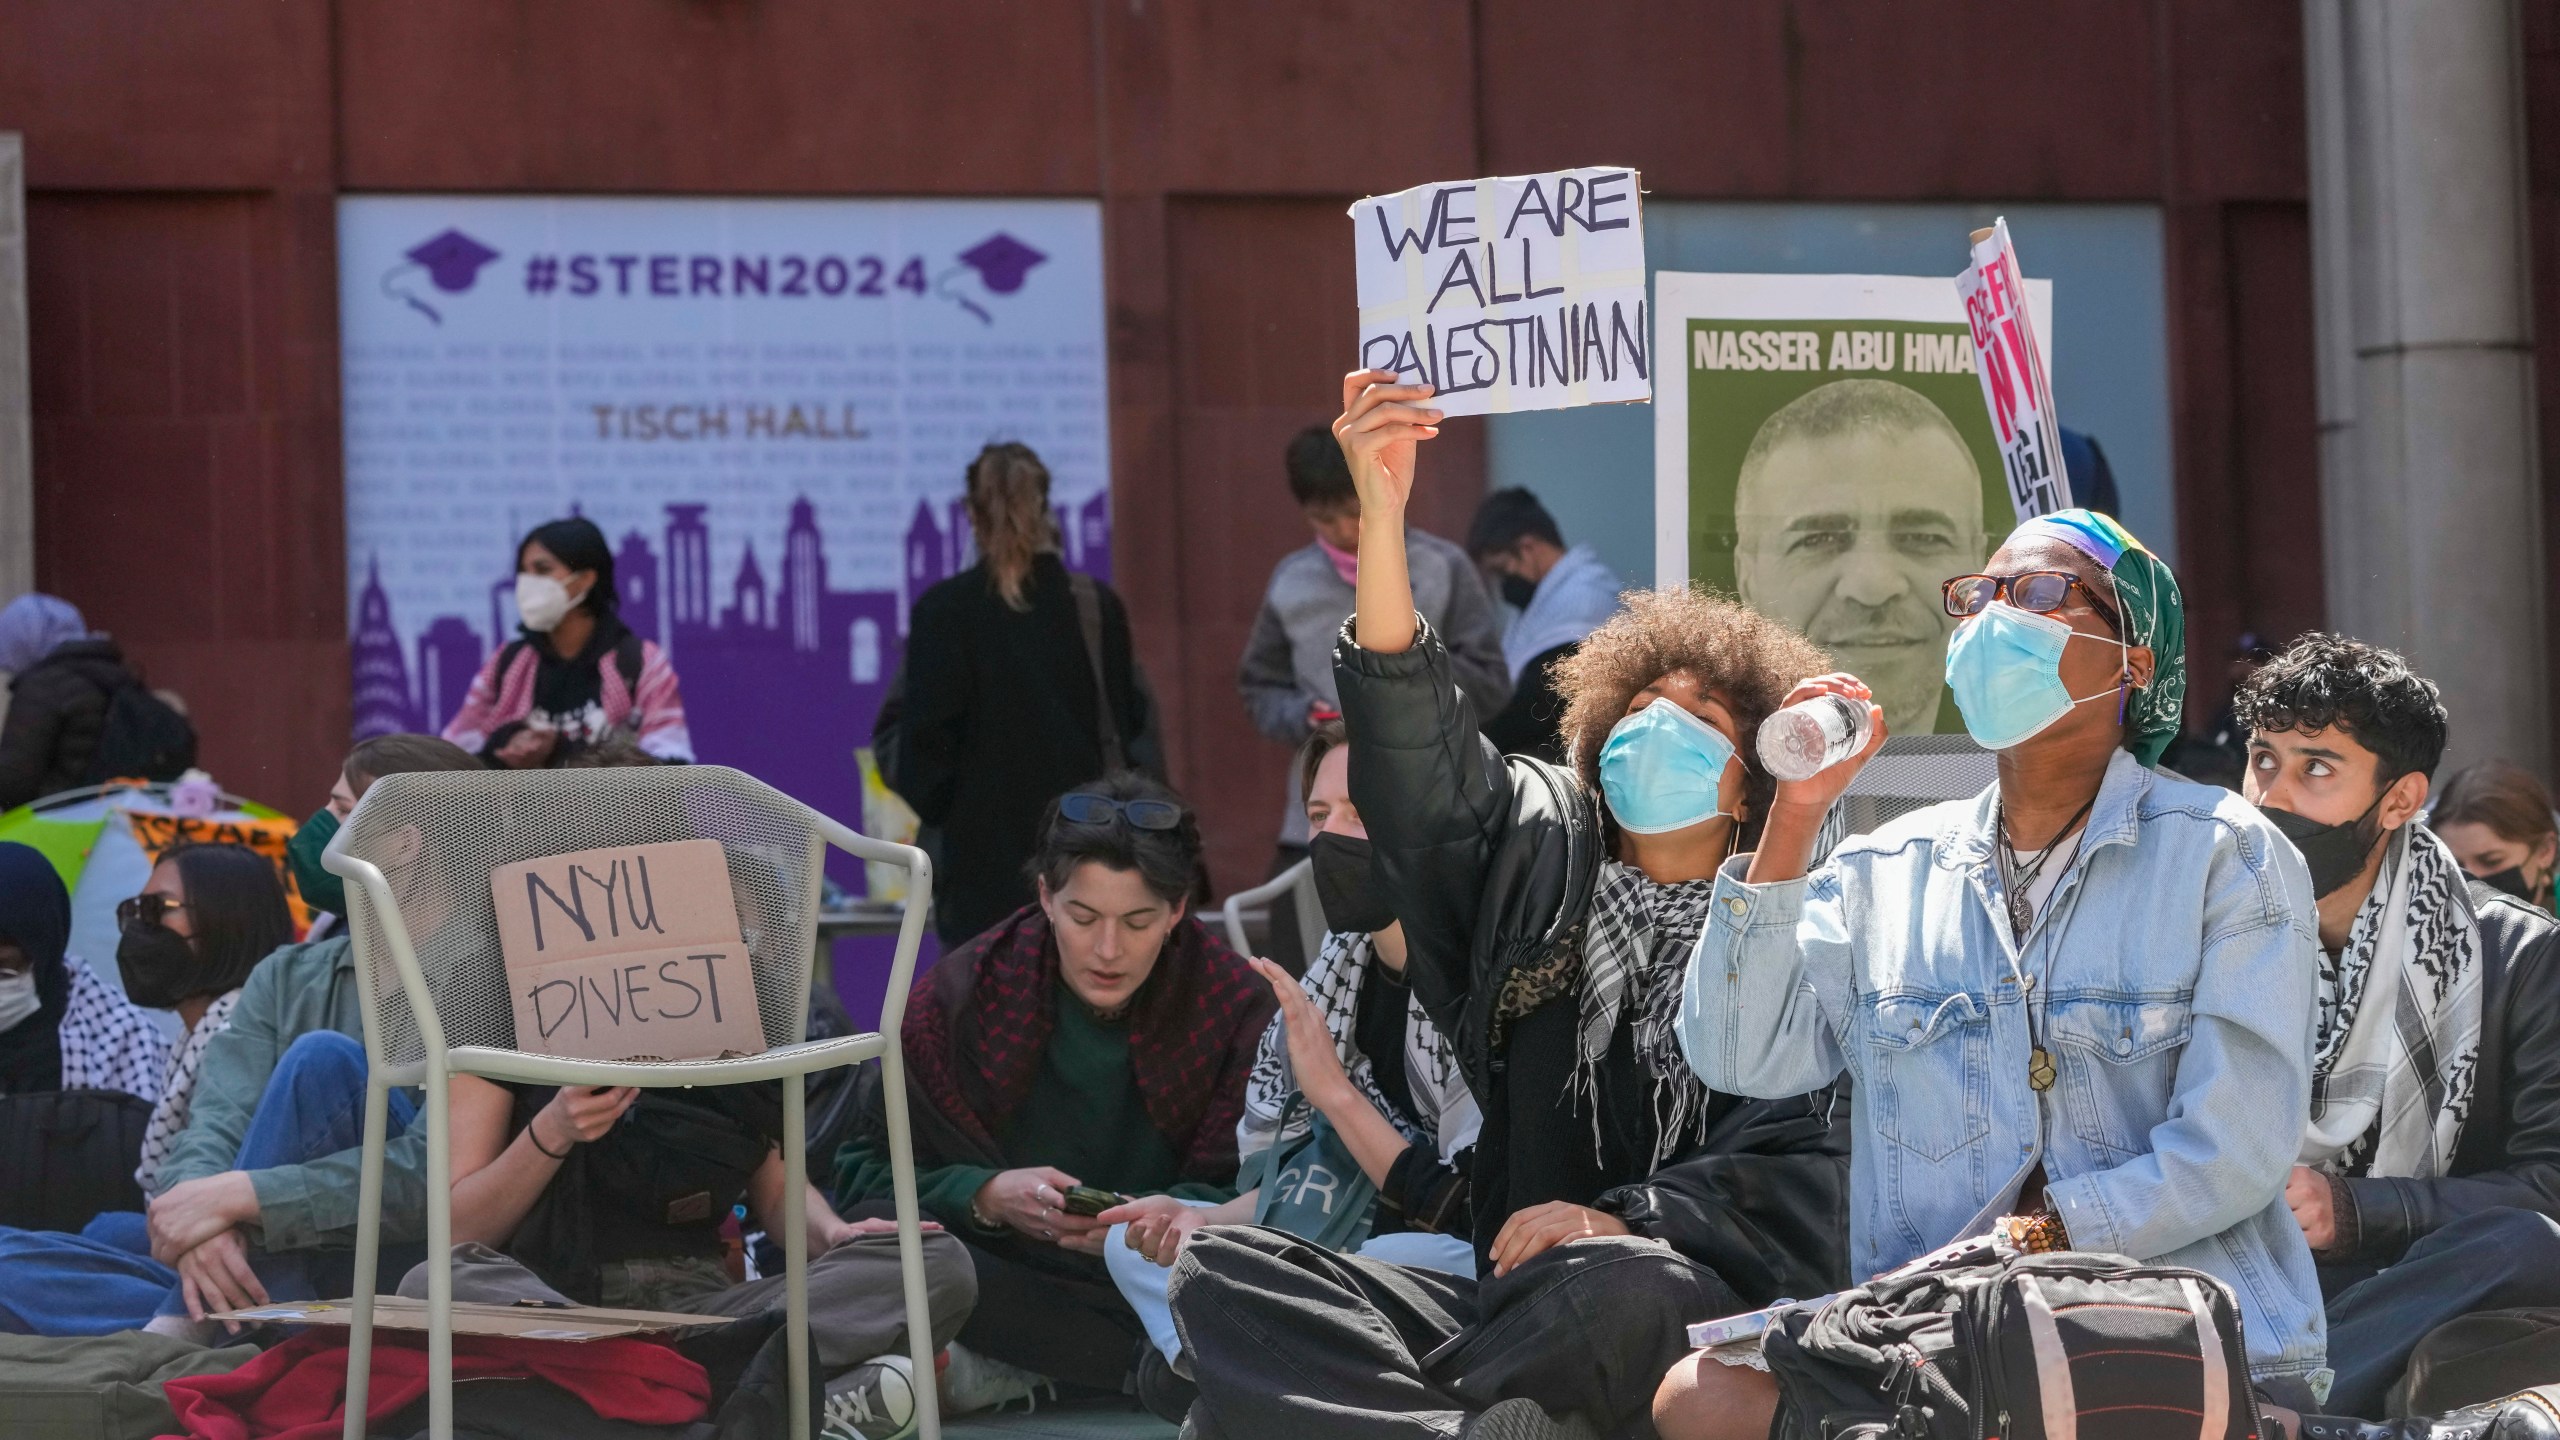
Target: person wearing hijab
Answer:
[[2079, 1005], [61, 1027], [61, 680], [576, 674]]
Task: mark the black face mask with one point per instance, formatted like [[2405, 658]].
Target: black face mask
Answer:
[[1353, 901], [158, 965], [2512, 881], [2334, 852], [1518, 591]]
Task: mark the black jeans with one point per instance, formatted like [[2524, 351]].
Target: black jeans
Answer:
[[1291, 1341], [2492, 1260]]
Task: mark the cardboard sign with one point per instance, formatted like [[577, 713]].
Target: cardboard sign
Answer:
[[688, 1003], [520, 1322], [628, 952], [2014, 383], [1522, 292], [614, 901]]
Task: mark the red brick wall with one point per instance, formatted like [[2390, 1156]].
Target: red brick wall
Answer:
[[184, 155]]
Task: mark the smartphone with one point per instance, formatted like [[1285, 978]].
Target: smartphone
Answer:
[[1088, 1201]]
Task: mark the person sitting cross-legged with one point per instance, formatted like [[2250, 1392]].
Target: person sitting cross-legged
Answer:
[[1352, 1046], [2430, 1173], [2083, 999], [1547, 914], [255, 1199]]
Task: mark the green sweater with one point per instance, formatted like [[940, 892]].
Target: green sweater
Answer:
[[1083, 1116]]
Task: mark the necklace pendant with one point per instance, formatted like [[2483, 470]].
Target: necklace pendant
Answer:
[[2040, 1071]]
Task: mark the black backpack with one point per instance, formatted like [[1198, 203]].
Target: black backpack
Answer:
[[144, 737], [71, 1156], [1968, 1343]]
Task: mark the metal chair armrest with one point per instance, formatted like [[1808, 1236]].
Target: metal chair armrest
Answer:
[[775, 1064]]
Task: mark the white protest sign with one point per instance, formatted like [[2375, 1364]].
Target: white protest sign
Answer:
[[2012, 370], [1522, 292]]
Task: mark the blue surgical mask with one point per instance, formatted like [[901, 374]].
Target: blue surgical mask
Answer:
[[1661, 768], [2005, 667]]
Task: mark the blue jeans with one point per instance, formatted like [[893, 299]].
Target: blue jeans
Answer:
[[97, 1282], [2492, 1260], [313, 1106]]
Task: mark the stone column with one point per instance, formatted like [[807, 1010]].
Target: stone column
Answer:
[[2432, 512], [17, 462]]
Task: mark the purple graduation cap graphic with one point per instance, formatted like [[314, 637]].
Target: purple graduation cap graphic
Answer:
[[1000, 263], [451, 262]]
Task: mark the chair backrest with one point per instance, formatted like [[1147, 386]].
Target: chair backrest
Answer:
[[1294, 887], [437, 836], [1912, 772]]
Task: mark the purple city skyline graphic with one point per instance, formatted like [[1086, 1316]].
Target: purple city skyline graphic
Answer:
[[782, 677]]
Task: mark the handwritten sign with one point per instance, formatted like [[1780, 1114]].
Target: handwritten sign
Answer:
[[2014, 383], [686, 1003], [1523, 292], [627, 952]]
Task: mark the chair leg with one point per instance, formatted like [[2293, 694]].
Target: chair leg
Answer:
[[902, 1187], [377, 1125], [795, 1246], [439, 1255]]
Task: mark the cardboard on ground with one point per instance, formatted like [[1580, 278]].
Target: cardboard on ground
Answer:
[[627, 952], [519, 1322]]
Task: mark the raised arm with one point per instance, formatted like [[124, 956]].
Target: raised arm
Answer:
[[1381, 426]]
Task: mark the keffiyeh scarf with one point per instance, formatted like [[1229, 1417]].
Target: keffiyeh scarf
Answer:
[[978, 1025], [178, 1092], [1333, 986], [2399, 1031], [1635, 957]]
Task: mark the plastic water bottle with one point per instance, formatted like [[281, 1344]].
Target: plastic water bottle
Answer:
[[1808, 738]]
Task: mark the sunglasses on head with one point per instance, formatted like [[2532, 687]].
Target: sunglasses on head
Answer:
[[2039, 591], [1089, 809], [149, 909]]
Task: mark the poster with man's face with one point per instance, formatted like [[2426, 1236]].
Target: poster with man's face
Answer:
[[1824, 455]]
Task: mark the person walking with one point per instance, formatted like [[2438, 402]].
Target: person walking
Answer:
[[576, 675], [1020, 685], [1287, 672]]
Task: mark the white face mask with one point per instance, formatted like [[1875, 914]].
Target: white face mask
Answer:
[[18, 999], [542, 602]]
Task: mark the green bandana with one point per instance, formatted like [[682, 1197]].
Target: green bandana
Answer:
[[2154, 615]]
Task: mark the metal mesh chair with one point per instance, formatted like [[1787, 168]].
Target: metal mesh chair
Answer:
[[417, 854], [1294, 887], [1913, 771]]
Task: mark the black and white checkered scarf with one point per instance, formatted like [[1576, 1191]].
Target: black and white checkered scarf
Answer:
[[1635, 961], [2399, 1032]]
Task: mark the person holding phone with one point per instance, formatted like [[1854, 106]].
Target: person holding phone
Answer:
[[1098, 1038]]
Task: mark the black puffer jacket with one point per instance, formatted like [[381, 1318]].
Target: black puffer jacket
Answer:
[[1492, 861], [57, 710], [2510, 1150]]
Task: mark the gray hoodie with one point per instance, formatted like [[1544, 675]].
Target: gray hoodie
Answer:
[[1288, 662]]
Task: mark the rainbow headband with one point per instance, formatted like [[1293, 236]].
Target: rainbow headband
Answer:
[[2097, 536]]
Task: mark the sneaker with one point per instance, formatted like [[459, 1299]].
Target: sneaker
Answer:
[[1521, 1418], [972, 1382], [875, 1400]]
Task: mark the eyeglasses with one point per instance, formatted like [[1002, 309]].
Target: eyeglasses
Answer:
[[1088, 809], [146, 908], [2040, 591]]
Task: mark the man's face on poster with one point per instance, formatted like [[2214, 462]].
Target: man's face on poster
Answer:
[[1848, 537]]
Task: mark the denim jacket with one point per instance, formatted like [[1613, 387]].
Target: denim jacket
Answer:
[[2171, 976]]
